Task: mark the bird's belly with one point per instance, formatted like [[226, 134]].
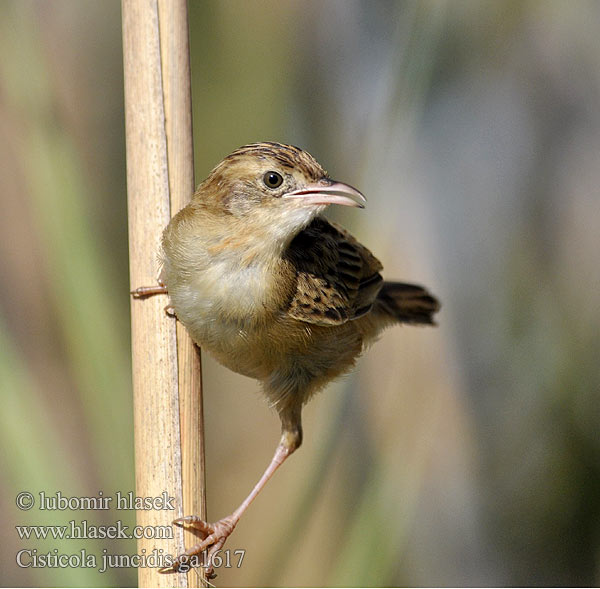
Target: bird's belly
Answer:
[[231, 316], [292, 352], [244, 351], [278, 348]]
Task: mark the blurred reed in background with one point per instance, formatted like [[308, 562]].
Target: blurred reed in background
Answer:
[[464, 455]]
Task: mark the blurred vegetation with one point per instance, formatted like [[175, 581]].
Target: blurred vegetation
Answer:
[[466, 455]]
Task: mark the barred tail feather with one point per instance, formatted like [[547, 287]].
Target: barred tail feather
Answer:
[[407, 303]]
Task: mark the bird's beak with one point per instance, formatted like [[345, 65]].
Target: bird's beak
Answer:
[[329, 192]]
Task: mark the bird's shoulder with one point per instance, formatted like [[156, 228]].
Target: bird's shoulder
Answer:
[[337, 278]]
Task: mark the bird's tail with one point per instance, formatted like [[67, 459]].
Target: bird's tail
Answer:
[[407, 303]]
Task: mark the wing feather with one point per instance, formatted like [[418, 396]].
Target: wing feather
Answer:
[[337, 278]]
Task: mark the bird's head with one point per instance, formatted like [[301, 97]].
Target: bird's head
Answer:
[[273, 186]]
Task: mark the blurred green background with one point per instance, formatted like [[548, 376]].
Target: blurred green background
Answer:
[[465, 455]]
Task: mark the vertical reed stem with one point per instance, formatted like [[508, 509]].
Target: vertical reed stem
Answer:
[[169, 445]]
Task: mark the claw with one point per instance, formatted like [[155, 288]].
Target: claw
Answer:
[[195, 525], [212, 538]]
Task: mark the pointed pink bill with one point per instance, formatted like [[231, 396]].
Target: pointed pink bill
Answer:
[[329, 192]]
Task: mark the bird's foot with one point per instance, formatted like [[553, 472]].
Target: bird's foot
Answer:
[[142, 292], [212, 537]]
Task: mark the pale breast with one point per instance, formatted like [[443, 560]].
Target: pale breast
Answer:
[[225, 307]]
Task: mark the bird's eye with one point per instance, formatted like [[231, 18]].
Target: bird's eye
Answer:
[[272, 180]]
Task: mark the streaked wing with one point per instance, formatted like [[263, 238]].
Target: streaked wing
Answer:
[[337, 278]]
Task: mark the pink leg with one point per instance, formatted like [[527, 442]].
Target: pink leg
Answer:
[[213, 536], [147, 291]]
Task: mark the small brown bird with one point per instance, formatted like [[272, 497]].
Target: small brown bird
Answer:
[[275, 291]]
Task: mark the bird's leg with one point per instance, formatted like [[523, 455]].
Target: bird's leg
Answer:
[[141, 292], [147, 291], [213, 535]]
